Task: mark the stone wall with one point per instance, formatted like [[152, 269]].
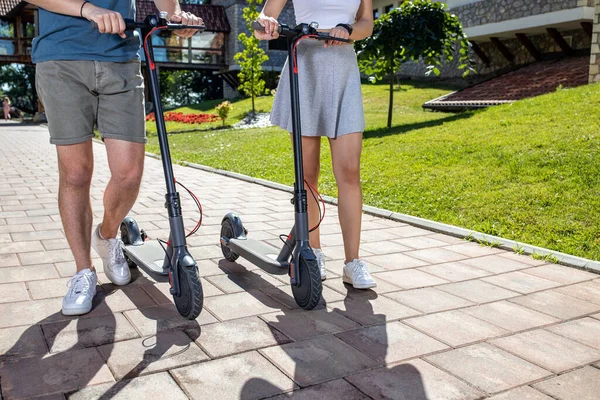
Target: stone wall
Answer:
[[490, 11], [595, 55]]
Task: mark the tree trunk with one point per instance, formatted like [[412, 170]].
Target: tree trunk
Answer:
[[391, 105]]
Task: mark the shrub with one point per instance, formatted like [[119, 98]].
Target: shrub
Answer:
[[223, 109]]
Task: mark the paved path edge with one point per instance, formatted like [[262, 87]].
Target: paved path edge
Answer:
[[490, 240]]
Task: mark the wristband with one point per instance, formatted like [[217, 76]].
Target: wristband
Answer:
[[346, 27], [81, 9]]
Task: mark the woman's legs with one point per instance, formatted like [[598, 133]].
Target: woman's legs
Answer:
[[345, 157], [311, 156]]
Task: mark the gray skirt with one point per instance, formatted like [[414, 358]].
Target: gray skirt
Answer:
[[330, 93]]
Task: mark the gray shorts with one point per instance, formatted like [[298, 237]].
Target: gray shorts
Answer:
[[78, 95]]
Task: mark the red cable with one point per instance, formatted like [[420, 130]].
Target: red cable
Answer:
[[295, 53], [148, 58], [314, 190]]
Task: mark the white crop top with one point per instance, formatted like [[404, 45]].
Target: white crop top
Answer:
[[327, 13]]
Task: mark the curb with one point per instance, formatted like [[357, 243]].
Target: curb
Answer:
[[451, 230]]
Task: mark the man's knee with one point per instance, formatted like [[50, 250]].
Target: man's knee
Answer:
[[80, 177]]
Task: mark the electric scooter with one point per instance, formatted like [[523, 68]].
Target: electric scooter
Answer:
[[295, 258], [173, 259]]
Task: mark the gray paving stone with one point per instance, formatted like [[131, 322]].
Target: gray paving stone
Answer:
[[238, 305], [421, 242], [522, 393], [236, 336], [556, 304], [347, 290], [45, 256], [585, 330], [586, 291], [510, 316], [160, 292], [38, 235], [21, 342], [414, 380], [151, 320], [283, 294], [488, 368], [31, 312], [87, 332], [391, 343], [385, 247], [581, 384], [59, 373], [337, 389], [522, 258], [13, 292], [299, 325], [9, 260], [234, 283], [497, 263], [372, 311], [410, 279], [429, 300], [561, 274], [436, 255], [318, 359], [166, 350], [28, 273], [244, 376], [478, 291], [521, 282], [455, 327], [125, 298], [49, 288], [399, 261], [548, 350], [455, 271], [158, 386], [471, 249]]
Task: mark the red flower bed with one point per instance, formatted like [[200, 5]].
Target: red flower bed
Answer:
[[186, 118]]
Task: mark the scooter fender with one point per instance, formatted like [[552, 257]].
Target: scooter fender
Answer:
[[236, 223], [130, 232]]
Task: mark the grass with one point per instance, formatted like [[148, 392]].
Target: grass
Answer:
[[529, 171]]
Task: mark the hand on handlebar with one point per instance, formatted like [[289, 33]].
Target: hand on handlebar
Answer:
[[107, 21], [186, 18], [271, 26], [337, 32]]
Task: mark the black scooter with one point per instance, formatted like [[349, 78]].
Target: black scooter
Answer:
[[173, 259], [295, 258]]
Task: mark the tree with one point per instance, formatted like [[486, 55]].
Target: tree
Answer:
[[417, 30], [18, 83], [251, 58]]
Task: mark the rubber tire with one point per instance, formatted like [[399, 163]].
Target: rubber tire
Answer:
[[191, 299], [228, 232], [308, 294]]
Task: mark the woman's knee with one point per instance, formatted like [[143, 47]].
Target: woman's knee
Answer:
[[347, 173]]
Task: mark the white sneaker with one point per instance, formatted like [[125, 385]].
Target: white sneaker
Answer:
[[357, 274], [321, 261], [111, 253], [82, 289]]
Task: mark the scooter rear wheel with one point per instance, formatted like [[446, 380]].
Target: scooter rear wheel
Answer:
[[189, 303], [228, 232], [308, 293]]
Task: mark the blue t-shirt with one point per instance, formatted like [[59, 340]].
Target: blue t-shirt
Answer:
[[62, 37]]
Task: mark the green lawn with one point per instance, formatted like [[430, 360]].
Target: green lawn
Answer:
[[528, 171]]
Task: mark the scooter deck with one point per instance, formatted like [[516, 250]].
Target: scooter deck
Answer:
[[149, 256], [260, 254]]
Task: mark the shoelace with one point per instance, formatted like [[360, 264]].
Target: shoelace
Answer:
[[79, 284], [116, 251], [360, 269]]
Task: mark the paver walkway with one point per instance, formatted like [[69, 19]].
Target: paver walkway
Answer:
[[449, 320]]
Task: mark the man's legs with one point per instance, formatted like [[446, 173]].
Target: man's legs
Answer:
[[75, 166], [126, 163]]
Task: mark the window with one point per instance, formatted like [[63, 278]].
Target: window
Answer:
[[375, 13], [389, 8], [208, 48]]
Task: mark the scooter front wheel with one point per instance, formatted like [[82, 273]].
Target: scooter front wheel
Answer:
[[228, 232], [308, 293], [190, 300]]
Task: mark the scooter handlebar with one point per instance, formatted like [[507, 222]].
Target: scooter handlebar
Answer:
[[300, 30], [155, 22]]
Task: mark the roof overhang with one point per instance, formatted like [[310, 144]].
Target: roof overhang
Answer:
[[536, 24]]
